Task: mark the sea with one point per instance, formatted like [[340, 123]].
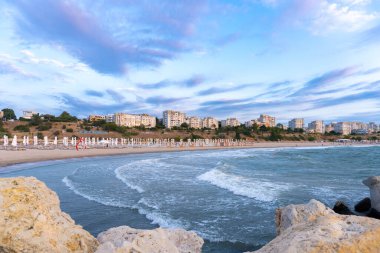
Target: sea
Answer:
[[228, 197]]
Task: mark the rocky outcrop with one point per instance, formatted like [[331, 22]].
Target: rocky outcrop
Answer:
[[31, 220], [315, 228], [374, 189], [127, 240], [363, 205], [341, 208]]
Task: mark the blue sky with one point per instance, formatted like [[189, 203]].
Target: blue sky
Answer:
[[317, 59]]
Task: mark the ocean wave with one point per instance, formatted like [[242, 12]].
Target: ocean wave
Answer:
[[104, 201], [119, 174], [260, 190]]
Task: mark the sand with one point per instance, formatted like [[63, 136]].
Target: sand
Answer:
[[8, 157]]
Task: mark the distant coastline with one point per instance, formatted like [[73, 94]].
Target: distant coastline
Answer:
[[8, 157]]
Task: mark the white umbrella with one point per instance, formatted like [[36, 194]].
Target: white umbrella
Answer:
[[55, 140], [6, 140], [46, 141], [14, 141], [35, 140]]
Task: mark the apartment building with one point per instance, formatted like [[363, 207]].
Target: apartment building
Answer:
[[94, 117], [297, 123], [194, 122], [173, 118], [110, 118], [28, 114], [343, 128], [231, 122], [1, 114], [372, 127], [252, 122], [267, 120], [316, 126], [135, 120], [210, 122]]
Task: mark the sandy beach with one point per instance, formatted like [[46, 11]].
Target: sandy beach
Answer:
[[35, 155]]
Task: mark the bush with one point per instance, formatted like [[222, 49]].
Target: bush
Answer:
[[44, 127], [22, 128], [64, 127], [87, 128], [69, 130], [40, 135], [56, 133], [311, 138]]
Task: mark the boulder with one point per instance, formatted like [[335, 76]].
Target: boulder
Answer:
[[373, 213], [363, 205], [129, 240], [31, 220], [315, 228], [341, 208], [374, 188]]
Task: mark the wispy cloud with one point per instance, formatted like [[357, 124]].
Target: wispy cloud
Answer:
[[191, 82], [94, 93], [7, 68], [216, 90], [161, 100]]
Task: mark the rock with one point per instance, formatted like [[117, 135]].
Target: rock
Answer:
[[316, 228], [341, 208], [294, 214], [363, 205], [31, 220], [374, 188], [129, 240], [373, 213]]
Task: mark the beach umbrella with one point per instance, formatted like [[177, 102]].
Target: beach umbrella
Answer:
[[14, 141], [55, 140], [46, 141], [24, 140], [35, 140], [27, 140], [5, 140]]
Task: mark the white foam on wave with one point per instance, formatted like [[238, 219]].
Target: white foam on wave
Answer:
[[103, 201], [119, 174], [256, 189]]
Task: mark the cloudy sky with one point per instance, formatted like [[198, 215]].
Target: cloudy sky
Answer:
[[317, 59]]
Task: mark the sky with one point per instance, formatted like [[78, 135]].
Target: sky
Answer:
[[316, 59]]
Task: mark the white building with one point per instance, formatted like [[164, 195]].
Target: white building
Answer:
[[110, 118], [194, 122], [135, 120], [343, 128], [210, 122], [297, 123], [252, 122], [28, 114], [95, 117], [267, 120], [1, 114], [173, 118], [372, 127], [316, 126], [231, 122]]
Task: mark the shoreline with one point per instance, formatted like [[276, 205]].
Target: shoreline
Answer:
[[12, 157]]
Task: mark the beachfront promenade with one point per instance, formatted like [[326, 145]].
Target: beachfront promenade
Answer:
[[25, 142]]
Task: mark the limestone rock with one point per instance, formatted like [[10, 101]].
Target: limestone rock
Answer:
[[374, 188], [363, 205], [129, 240], [315, 228], [31, 220], [295, 214]]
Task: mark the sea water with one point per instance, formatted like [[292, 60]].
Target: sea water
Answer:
[[228, 197]]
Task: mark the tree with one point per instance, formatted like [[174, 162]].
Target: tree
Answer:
[[185, 125], [9, 114], [35, 120], [66, 117]]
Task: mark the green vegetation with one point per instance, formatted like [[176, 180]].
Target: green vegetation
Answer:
[[40, 136], [9, 114], [69, 130], [22, 128], [44, 126], [3, 131], [311, 138]]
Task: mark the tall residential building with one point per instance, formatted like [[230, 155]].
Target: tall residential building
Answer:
[[297, 123], [28, 114], [316, 126], [210, 122], [110, 118], [173, 118], [1, 114], [194, 122], [96, 117], [343, 128], [330, 127], [250, 123], [135, 120], [232, 122], [372, 127], [267, 120]]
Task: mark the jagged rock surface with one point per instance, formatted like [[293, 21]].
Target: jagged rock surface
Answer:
[[129, 240], [374, 189], [31, 220], [315, 228]]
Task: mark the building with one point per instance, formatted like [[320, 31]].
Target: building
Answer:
[[173, 118], [267, 120], [110, 118], [343, 128], [330, 127], [135, 120], [250, 123], [1, 114], [210, 122], [28, 114], [316, 126], [94, 117], [231, 122], [297, 123], [193, 122], [372, 127]]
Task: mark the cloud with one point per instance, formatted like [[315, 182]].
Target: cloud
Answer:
[[154, 31], [7, 68], [161, 100], [373, 34], [94, 93], [228, 39], [115, 95], [193, 81], [216, 90]]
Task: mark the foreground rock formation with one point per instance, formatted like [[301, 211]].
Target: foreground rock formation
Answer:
[[128, 240], [31, 220], [313, 227], [374, 189]]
